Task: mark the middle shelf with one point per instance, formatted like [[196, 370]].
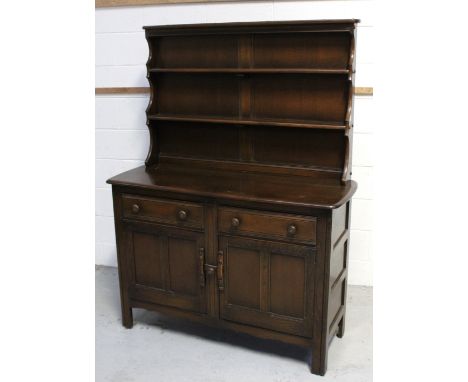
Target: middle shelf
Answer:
[[259, 122], [290, 100]]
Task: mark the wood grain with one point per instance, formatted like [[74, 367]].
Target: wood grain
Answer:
[[130, 3], [359, 91]]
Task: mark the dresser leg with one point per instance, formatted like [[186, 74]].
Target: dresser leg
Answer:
[[127, 317], [319, 362], [341, 327]]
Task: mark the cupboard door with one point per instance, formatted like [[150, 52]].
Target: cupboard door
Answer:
[[167, 266], [268, 284]]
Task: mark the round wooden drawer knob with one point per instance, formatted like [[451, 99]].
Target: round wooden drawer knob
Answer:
[[235, 222], [292, 229], [135, 208], [182, 215]]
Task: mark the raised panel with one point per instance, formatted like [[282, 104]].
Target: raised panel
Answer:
[[335, 301], [287, 285], [183, 266], [243, 277], [195, 51], [201, 94], [147, 254], [302, 50], [340, 218], [337, 261], [300, 97]]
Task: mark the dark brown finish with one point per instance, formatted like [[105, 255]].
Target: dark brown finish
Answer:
[[240, 217]]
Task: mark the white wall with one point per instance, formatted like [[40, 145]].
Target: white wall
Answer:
[[121, 133]]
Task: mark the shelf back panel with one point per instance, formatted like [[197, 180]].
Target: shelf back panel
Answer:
[[299, 97], [298, 147], [198, 140], [301, 50], [251, 144], [201, 94], [218, 51], [273, 50]]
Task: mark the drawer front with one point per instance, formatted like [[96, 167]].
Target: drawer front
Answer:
[[257, 223], [163, 211]]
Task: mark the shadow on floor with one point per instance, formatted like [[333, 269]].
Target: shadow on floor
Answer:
[[221, 335]]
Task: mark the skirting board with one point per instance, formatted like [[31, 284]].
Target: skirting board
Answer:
[[130, 3]]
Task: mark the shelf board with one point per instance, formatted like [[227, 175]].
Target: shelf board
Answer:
[[250, 70], [258, 122]]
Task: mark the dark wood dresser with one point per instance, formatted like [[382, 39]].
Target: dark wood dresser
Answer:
[[240, 218]]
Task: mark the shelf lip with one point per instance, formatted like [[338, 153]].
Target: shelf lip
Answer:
[[254, 24], [258, 122], [308, 26], [250, 70]]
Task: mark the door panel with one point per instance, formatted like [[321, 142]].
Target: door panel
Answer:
[[166, 265], [268, 284], [244, 291], [183, 266], [287, 271], [148, 267]]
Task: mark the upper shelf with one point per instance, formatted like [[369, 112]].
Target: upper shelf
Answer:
[[254, 52], [260, 122], [250, 70]]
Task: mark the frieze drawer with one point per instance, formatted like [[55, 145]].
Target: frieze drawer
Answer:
[[163, 211], [265, 224]]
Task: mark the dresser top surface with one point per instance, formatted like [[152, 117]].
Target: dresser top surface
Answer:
[[281, 189]]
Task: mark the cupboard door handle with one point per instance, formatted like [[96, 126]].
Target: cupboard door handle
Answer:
[[220, 270], [292, 229], [202, 266], [182, 215], [135, 208], [235, 222]]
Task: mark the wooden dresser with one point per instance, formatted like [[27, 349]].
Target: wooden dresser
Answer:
[[240, 217]]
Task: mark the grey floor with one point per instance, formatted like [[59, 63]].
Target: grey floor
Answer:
[[163, 349]]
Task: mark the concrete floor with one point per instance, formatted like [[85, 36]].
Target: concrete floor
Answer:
[[162, 349]]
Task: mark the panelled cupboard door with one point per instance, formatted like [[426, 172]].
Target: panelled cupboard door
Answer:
[[166, 266], [268, 284]]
